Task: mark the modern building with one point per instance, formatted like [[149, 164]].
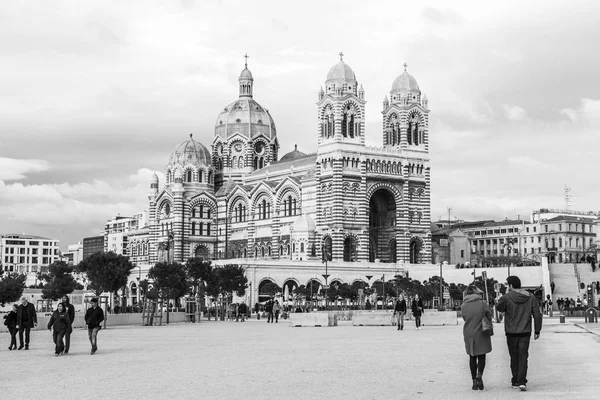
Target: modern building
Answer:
[[117, 229], [74, 254], [27, 254], [357, 206], [92, 244], [567, 238]]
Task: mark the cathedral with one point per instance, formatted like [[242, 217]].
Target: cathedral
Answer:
[[349, 204]]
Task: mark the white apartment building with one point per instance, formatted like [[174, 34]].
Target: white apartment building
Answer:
[[74, 254], [27, 254], [117, 229]]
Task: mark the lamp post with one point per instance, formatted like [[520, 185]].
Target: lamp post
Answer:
[[441, 288], [509, 244], [325, 258]]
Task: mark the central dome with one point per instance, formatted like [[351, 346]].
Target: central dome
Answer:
[[190, 152], [247, 118]]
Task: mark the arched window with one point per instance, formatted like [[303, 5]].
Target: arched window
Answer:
[[234, 162], [200, 228], [269, 251], [200, 173], [261, 162], [328, 123], [262, 251], [302, 247], [241, 163], [210, 177], [280, 249], [189, 175], [208, 229], [193, 228]]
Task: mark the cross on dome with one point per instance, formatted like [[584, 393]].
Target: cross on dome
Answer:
[[246, 56], [405, 65], [341, 56]]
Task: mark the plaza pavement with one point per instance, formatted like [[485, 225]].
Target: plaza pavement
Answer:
[[256, 360]]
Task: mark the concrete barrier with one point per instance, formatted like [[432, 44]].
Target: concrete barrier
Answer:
[[111, 320], [435, 317], [313, 319], [373, 318]]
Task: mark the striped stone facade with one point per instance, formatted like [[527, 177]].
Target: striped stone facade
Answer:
[[347, 202]]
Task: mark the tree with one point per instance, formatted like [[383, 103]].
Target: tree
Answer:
[[59, 280], [198, 271], [106, 272], [233, 280], [169, 279], [270, 289], [11, 287]]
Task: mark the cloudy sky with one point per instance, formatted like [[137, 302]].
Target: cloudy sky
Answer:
[[94, 95]]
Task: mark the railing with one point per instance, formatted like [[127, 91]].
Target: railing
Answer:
[[578, 276]]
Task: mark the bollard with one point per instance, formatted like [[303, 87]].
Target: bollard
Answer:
[[562, 318], [591, 315]]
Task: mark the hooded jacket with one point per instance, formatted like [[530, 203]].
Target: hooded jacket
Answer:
[[519, 306]]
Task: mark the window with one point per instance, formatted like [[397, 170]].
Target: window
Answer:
[[302, 247], [560, 242], [535, 229], [527, 229], [189, 175], [546, 228], [559, 227], [462, 254]]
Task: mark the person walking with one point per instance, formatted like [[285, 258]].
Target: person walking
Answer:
[[400, 311], [26, 319], [477, 344], [519, 307], [93, 318], [269, 310], [10, 321], [61, 323], [276, 310], [71, 311], [552, 286], [417, 310], [243, 310]]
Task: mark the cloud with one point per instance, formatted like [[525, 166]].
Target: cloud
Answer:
[[514, 113], [438, 16], [14, 169], [588, 110], [69, 205], [527, 161]]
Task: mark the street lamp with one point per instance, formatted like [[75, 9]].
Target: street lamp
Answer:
[[509, 244], [325, 258]]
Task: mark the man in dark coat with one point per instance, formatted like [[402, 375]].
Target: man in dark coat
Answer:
[[71, 312], [400, 311], [519, 307], [26, 319], [269, 310], [93, 318]]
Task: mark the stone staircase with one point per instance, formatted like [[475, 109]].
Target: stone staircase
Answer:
[[565, 280]]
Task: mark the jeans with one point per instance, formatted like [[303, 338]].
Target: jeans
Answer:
[[13, 337], [276, 316], [68, 339], [418, 321], [518, 348], [27, 331], [93, 335], [270, 316], [59, 346], [400, 317]]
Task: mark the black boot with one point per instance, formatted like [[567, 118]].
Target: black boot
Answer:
[[475, 386], [479, 380]]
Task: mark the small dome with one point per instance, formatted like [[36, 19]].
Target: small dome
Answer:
[[190, 152], [341, 70], [154, 178], [305, 223], [292, 155], [405, 82], [246, 75]]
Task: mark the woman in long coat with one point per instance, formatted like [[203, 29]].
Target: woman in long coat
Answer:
[[417, 310], [477, 344]]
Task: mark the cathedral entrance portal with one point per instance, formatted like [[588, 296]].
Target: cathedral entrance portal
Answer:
[[382, 226], [350, 253], [415, 250], [202, 252]]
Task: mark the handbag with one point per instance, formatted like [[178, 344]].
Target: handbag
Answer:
[[486, 323]]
